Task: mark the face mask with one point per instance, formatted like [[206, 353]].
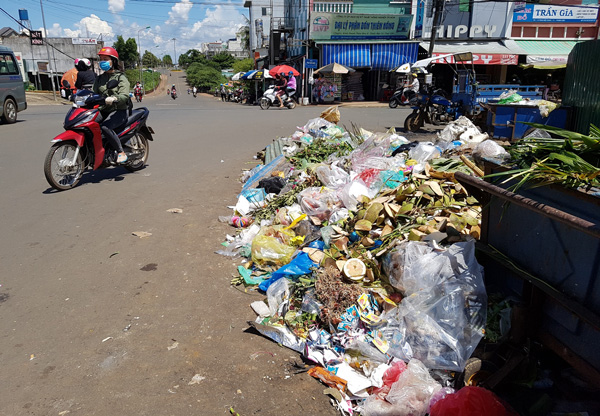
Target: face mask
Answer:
[[105, 65]]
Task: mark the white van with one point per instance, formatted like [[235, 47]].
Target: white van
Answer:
[[12, 87]]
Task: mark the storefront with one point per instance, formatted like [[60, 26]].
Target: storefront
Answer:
[[370, 44]]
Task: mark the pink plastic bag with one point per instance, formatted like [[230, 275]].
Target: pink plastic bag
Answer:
[[471, 401], [390, 376]]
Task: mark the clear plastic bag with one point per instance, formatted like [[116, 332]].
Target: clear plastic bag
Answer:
[[319, 202], [332, 176], [352, 191], [408, 396], [277, 294], [442, 319], [489, 149]]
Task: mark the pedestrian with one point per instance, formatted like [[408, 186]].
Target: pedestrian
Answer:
[[194, 91], [223, 93], [116, 102]]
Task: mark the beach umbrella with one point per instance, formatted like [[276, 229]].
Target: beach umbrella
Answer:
[[237, 76], [283, 68], [335, 68], [262, 74], [248, 75], [402, 69]]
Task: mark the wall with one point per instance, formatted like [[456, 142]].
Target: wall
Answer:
[[59, 61], [380, 7]]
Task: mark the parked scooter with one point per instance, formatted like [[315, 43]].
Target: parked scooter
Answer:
[[82, 146], [269, 98], [433, 108]]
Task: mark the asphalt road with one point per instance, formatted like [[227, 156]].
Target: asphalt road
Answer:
[[97, 321]]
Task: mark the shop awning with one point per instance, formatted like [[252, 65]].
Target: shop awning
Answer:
[[387, 56], [546, 53], [350, 54], [484, 53]]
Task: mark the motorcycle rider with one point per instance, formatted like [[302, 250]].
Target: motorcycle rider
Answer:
[[291, 85], [137, 90], [114, 111], [85, 74], [280, 85], [173, 91]]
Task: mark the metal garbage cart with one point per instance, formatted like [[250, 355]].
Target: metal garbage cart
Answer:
[[504, 121]]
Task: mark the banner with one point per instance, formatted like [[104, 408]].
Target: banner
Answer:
[[84, 41], [334, 26], [484, 59], [36, 37], [549, 13]]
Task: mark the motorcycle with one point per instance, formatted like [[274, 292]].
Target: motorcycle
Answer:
[[81, 145], [400, 97], [269, 98], [173, 94], [138, 95], [433, 108]]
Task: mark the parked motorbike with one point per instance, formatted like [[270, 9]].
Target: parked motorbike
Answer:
[[269, 98], [81, 145], [433, 108]]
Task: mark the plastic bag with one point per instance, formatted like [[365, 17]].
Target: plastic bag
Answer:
[[331, 114], [319, 202], [271, 246], [350, 193], [272, 185], [332, 176], [422, 153], [409, 396], [277, 294], [471, 401], [442, 319], [546, 107], [390, 376], [509, 99], [298, 266], [489, 149], [242, 239]]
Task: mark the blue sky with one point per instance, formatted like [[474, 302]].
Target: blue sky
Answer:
[[191, 22]]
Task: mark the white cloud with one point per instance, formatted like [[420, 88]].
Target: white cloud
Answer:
[[88, 27], [220, 23], [116, 6], [179, 13]]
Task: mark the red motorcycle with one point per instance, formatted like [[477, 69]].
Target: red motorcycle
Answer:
[[82, 145], [138, 94]]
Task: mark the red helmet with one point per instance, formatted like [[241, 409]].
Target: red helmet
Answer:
[[108, 51]]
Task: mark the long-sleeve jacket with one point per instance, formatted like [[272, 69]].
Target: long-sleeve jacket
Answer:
[[121, 91]]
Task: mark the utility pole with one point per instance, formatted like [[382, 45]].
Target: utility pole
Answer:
[[140, 52], [437, 17], [174, 52], [48, 51]]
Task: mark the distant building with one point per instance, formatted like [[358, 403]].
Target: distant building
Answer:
[[236, 49], [63, 52]]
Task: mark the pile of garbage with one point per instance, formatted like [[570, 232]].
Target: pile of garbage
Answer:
[[363, 244], [512, 97]]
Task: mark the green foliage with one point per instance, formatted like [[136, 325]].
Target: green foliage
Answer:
[[167, 60], [224, 60], [150, 60], [204, 77], [191, 56], [243, 65], [127, 51], [150, 80]]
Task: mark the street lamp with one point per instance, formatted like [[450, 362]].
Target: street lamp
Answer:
[[140, 54], [174, 52]]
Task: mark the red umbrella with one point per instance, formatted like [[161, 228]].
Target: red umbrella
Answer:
[[283, 68]]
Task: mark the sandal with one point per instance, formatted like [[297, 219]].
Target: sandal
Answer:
[[121, 158]]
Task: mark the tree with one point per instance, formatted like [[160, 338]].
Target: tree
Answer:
[[150, 60], [243, 65], [127, 51], [224, 60], [205, 77], [167, 61], [191, 56]]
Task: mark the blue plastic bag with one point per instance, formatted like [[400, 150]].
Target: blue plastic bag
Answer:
[[300, 265]]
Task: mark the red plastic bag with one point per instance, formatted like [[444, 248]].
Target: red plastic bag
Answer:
[[471, 401], [390, 376]]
